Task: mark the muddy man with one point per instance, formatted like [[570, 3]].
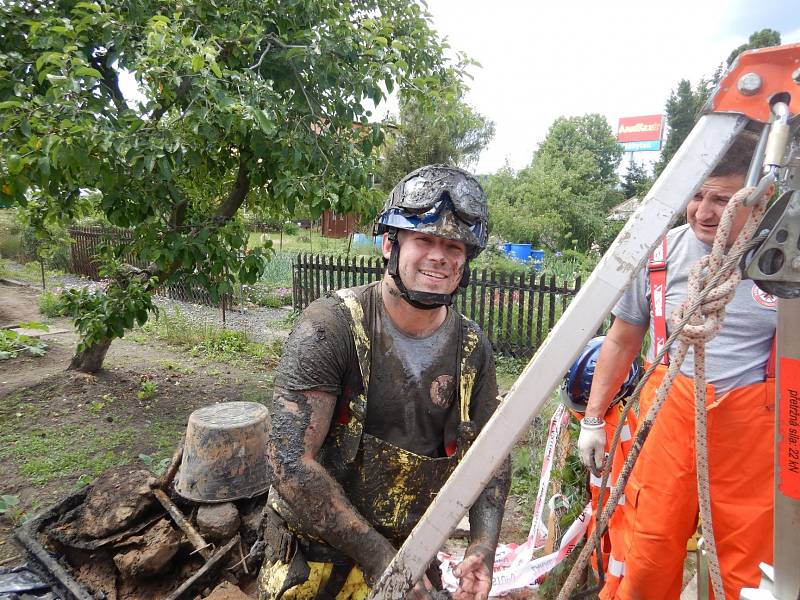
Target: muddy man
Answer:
[[380, 391]]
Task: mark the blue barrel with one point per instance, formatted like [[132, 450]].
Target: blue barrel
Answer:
[[537, 258], [520, 252], [507, 248], [360, 238]]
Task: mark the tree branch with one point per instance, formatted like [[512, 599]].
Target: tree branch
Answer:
[[110, 80], [183, 89], [237, 194]]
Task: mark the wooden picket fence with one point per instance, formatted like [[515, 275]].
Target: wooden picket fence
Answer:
[[515, 310], [84, 249]]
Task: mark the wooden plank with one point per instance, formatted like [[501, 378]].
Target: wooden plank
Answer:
[[473, 289], [501, 339], [491, 288], [540, 310], [210, 564], [195, 539]]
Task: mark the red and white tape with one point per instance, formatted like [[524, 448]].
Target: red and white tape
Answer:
[[514, 565]]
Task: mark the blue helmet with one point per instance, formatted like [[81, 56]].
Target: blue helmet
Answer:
[[578, 382]]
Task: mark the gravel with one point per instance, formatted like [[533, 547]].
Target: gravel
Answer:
[[261, 324]]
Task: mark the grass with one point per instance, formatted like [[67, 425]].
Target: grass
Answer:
[[310, 241], [210, 342], [508, 370], [43, 455]]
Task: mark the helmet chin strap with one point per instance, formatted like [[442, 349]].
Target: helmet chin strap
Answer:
[[417, 299]]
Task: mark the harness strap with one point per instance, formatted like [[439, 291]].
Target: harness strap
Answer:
[[358, 404], [770, 368], [657, 272]]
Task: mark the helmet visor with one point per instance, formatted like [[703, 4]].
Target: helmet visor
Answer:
[[423, 191], [432, 218]]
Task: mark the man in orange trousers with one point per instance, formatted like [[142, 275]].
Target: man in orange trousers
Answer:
[[661, 495]]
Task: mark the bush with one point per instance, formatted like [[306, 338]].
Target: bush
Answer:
[[51, 305], [54, 254], [290, 228]]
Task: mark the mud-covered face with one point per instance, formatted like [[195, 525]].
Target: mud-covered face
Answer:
[[705, 209], [428, 263]]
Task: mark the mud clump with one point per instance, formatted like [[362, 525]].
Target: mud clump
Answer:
[[217, 522], [227, 591], [152, 554], [118, 499]]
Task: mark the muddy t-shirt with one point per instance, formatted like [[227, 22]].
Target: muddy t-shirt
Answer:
[[412, 401]]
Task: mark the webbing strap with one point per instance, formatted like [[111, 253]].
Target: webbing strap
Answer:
[[657, 272]]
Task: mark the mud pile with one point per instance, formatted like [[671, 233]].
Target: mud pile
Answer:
[[130, 537]]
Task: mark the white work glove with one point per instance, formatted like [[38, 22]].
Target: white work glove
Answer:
[[592, 444]]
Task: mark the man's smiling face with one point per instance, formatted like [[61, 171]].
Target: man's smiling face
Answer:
[[429, 263], [704, 211]]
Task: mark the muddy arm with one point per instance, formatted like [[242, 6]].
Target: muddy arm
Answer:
[[299, 424], [486, 515]]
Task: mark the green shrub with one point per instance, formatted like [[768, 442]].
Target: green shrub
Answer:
[[290, 228], [51, 305], [12, 343]]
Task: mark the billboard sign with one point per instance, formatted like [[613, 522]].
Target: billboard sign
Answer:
[[640, 133]]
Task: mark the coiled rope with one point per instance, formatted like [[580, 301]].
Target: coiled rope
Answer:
[[712, 285]]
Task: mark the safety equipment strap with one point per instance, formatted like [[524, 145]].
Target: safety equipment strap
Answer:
[[657, 271]]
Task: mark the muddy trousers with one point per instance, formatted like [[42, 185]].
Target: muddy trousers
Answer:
[[662, 490], [273, 575]]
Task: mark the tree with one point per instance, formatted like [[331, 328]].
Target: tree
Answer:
[[682, 111], [759, 39], [636, 182], [239, 98], [433, 133], [571, 139], [561, 199]]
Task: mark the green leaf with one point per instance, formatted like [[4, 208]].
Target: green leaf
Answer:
[[87, 72], [92, 6], [264, 122], [215, 69], [10, 104], [197, 62]]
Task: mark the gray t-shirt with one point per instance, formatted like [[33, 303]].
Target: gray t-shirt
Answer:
[[411, 401], [737, 356]]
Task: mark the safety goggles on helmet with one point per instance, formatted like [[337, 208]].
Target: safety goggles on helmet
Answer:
[[403, 218], [422, 192]]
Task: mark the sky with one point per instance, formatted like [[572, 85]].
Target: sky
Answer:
[[541, 60]]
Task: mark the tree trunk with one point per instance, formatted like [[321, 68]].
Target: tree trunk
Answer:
[[91, 359]]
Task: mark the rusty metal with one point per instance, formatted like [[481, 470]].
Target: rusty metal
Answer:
[[204, 570], [195, 539], [224, 457], [27, 535]]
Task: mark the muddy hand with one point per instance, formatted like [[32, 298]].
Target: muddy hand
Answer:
[[474, 574]]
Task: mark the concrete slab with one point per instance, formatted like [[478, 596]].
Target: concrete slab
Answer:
[[38, 333]]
